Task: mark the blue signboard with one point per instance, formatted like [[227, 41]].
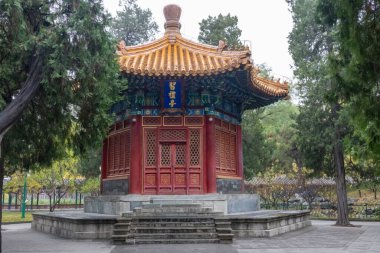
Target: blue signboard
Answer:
[[172, 94]]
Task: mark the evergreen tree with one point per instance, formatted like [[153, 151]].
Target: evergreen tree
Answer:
[[58, 78], [133, 24], [256, 149], [355, 62], [218, 28], [322, 121]]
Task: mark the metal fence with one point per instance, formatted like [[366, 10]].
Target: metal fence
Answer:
[[328, 210]]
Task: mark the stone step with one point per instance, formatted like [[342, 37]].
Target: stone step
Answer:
[[173, 219], [174, 214], [173, 224], [226, 230], [174, 236], [208, 229], [120, 231], [225, 238], [171, 241], [118, 237], [222, 223], [121, 225]]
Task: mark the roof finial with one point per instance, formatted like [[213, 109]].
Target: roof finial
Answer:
[[172, 14]]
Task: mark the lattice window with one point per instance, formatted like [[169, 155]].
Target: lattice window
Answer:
[[195, 143], [111, 155], [172, 121], [226, 148], [218, 122], [151, 121], [122, 153], [233, 151], [150, 154], [180, 154], [193, 121], [165, 154], [119, 153], [218, 136], [225, 125], [127, 156], [173, 135]]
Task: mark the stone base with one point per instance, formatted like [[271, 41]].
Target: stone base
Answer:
[[268, 223], [79, 225], [75, 224], [225, 203]]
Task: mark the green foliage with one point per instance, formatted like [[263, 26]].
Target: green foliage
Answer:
[[61, 178], [79, 82], [355, 61], [278, 121], [256, 149], [268, 139], [133, 24], [309, 43], [90, 162], [91, 185], [218, 28]]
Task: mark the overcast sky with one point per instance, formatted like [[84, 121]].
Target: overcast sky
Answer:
[[265, 24]]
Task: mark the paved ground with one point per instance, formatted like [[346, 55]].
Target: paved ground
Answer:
[[321, 237]]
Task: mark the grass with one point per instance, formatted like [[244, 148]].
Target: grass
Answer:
[[14, 217]]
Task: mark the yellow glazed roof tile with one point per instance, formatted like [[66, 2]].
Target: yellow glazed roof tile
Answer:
[[173, 55]]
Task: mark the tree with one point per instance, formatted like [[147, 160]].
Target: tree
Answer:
[[322, 121], [278, 121], [256, 148], [214, 29], [92, 186], [355, 62], [58, 179], [90, 162], [133, 24], [58, 77]]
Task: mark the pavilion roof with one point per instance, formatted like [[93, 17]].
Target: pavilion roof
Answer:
[[175, 56]]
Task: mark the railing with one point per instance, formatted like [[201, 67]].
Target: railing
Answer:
[[43, 206], [328, 210]]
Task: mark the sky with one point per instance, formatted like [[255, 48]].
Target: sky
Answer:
[[265, 25]]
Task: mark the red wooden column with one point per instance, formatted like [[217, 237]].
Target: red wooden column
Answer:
[[239, 152], [104, 162], [135, 176], [210, 154]]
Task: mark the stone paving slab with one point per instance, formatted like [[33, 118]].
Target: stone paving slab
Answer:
[[322, 237]]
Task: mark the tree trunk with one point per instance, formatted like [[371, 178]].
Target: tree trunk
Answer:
[[1, 188], [342, 208], [13, 110]]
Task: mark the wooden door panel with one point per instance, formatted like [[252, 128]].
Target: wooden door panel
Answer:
[[173, 162]]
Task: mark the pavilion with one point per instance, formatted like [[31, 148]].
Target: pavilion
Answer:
[[178, 127]]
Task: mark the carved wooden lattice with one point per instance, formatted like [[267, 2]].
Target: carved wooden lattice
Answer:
[[173, 121], [118, 154], [173, 135], [150, 154], [225, 138], [193, 121], [151, 121], [165, 154], [180, 154], [195, 142]]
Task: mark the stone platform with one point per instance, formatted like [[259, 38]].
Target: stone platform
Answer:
[[75, 224], [79, 225], [225, 203]]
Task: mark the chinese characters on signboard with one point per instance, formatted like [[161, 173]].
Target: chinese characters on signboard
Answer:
[[172, 94]]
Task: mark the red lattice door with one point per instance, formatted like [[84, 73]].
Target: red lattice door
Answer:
[[172, 168]]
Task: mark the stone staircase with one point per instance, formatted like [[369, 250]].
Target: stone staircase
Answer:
[[172, 224]]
